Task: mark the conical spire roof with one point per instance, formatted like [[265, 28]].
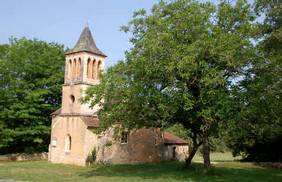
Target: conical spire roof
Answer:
[[86, 43]]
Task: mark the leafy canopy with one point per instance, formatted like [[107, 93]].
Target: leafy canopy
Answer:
[[255, 127], [31, 74], [185, 55]]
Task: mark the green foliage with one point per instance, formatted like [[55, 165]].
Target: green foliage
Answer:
[[31, 74], [185, 55], [91, 158], [218, 144], [180, 131], [255, 127], [109, 143], [125, 100]]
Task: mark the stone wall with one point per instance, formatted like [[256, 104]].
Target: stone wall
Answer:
[[144, 145], [181, 152], [25, 157]]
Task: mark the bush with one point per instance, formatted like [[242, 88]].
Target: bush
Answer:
[[91, 157], [268, 151]]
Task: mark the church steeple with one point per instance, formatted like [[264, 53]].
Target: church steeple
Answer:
[[83, 67], [86, 43]]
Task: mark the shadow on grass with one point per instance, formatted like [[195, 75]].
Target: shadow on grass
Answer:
[[174, 170]]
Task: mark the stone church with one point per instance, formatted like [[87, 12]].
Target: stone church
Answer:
[[72, 139]]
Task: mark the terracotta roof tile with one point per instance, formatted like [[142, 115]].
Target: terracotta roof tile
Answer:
[[171, 139], [91, 121]]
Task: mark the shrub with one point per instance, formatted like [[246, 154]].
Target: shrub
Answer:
[[91, 157]]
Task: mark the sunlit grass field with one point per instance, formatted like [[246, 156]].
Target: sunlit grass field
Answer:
[[224, 169]]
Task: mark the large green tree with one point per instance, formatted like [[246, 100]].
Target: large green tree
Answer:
[[31, 74], [184, 57], [255, 128]]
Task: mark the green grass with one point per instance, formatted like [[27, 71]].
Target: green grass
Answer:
[[218, 157], [162, 172]]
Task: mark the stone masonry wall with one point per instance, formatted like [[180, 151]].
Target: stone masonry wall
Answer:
[[144, 145], [181, 152]]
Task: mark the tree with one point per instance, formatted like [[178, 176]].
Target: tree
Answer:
[[31, 74], [255, 129], [184, 56]]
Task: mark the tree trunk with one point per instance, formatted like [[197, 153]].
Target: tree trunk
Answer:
[[188, 161], [206, 153]]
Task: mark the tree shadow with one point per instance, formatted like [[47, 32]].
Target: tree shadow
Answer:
[[174, 170]]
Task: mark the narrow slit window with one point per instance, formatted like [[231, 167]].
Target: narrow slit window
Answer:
[[94, 70], [69, 69], [68, 143], [78, 68], [89, 66], [74, 69], [99, 70]]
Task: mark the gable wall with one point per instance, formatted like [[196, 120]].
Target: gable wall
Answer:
[[80, 137]]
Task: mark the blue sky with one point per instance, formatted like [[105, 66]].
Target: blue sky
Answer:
[[62, 21]]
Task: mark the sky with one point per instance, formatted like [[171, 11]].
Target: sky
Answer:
[[62, 21]]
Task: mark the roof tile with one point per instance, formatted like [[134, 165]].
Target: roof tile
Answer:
[[86, 43], [171, 139]]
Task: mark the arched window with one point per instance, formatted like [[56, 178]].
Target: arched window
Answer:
[[72, 99], [99, 70], [94, 69], [68, 143], [69, 69], [89, 68], [78, 68], [74, 69]]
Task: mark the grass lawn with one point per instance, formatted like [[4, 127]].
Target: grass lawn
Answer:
[[224, 170]]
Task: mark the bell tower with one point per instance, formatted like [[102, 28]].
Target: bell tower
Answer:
[[83, 66]]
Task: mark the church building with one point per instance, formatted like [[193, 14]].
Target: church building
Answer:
[[72, 139]]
